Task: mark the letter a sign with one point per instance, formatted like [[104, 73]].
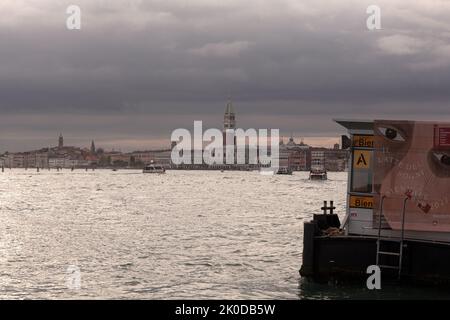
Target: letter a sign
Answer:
[[361, 159]]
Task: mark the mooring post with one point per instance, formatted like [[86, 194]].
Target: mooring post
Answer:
[[324, 208], [332, 207]]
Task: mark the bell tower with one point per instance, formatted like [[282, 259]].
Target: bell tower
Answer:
[[60, 141], [229, 119], [229, 123]]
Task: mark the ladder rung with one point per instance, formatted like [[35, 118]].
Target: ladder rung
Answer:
[[389, 253], [388, 267]]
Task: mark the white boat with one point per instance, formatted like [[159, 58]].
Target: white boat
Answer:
[[151, 168], [284, 170], [318, 170], [318, 175]]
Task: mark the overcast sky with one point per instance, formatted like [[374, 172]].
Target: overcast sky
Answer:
[[139, 69]]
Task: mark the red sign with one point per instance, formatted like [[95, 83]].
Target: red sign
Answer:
[[441, 137], [444, 137]]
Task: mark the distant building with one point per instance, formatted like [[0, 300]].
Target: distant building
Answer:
[[92, 159], [42, 159], [120, 159], [15, 160], [56, 162], [229, 123], [163, 157], [143, 157], [294, 155], [229, 119], [337, 159]]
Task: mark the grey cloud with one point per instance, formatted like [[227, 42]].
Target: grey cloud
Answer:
[[175, 60]]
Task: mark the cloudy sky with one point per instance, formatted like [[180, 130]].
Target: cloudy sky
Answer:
[[139, 69]]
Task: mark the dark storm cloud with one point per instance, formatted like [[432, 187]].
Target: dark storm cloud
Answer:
[[297, 63]]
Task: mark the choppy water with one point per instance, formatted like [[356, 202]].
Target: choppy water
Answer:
[[185, 234]]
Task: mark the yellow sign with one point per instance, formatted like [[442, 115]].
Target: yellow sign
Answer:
[[361, 159], [363, 141], [361, 202]]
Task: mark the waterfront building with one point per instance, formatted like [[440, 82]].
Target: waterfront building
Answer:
[[333, 159], [142, 157], [42, 158], [15, 160], [119, 159], [336, 159], [317, 157], [30, 159], [163, 157], [294, 156], [56, 162], [91, 159]]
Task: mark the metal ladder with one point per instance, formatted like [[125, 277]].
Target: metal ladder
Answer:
[[400, 241]]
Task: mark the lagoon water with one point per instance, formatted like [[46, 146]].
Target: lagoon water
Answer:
[[182, 235]]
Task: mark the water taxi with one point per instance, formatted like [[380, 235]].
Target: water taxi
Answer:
[[318, 170], [318, 174], [151, 168]]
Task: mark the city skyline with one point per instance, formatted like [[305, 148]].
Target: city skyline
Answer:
[[289, 155], [165, 143]]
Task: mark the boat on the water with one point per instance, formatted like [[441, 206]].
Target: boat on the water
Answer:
[[318, 170], [320, 174], [284, 170], [152, 168]]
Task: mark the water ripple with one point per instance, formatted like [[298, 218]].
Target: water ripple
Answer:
[[186, 234]]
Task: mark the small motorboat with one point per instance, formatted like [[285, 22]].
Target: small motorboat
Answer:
[[318, 175], [318, 170], [152, 168]]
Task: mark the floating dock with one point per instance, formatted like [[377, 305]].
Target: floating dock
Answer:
[[397, 212]]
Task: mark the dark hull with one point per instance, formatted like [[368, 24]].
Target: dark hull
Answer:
[[347, 257]]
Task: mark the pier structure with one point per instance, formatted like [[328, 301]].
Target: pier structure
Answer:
[[386, 224]]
